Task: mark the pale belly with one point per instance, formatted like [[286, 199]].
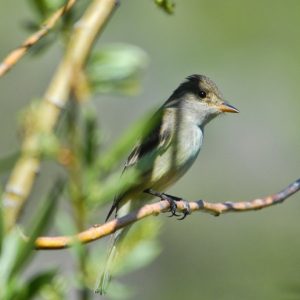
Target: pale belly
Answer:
[[166, 169], [175, 162]]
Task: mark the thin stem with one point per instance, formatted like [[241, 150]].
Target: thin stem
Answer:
[[24, 173], [13, 57], [99, 231]]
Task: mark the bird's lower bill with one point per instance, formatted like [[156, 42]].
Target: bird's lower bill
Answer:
[[225, 107]]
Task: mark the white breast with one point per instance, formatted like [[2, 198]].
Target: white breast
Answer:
[[190, 142], [178, 158]]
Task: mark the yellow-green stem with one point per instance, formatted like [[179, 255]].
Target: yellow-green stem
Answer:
[[22, 178]]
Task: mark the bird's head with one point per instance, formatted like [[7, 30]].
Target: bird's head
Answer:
[[201, 97]]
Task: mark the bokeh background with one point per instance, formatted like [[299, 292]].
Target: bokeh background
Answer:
[[251, 50]]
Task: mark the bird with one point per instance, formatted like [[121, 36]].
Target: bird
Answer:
[[166, 153]]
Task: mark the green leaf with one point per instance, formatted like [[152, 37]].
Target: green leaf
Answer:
[[116, 68], [2, 231], [39, 222], [91, 137], [8, 257], [14, 289], [140, 256], [167, 6], [48, 145], [57, 289], [45, 7], [101, 193], [19, 289], [37, 282], [17, 250], [140, 246], [40, 7], [67, 227], [78, 250]]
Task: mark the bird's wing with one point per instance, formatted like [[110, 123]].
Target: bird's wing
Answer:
[[158, 140]]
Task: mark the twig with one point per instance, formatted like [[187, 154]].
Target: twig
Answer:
[[13, 57], [23, 175], [100, 231]]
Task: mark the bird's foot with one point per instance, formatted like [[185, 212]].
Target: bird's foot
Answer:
[[187, 210], [173, 204], [172, 201]]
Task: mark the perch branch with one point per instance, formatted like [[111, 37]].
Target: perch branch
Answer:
[[82, 38], [13, 57], [100, 231]]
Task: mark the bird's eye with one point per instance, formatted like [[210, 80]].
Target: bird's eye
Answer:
[[202, 94]]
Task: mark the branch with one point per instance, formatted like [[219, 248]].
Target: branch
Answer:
[[12, 58], [24, 173], [99, 231]]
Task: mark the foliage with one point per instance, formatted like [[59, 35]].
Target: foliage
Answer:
[[167, 5], [16, 252], [116, 68], [90, 173]]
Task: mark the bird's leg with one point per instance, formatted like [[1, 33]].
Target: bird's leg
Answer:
[[172, 201], [187, 209], [169, 198]]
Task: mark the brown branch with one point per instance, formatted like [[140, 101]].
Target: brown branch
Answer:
[[100, 231], [13, 57], [24, 173]]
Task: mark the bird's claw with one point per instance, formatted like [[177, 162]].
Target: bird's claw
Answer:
[[173, 205], [172, 201], [186, 211]]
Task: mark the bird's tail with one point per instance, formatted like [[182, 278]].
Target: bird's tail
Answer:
[[110, 263], [114, 252]]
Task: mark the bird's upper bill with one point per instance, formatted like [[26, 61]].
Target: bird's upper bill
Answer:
[[226, 107]]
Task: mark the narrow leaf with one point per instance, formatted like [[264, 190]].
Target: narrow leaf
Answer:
[[166, 5], [91, 137], [116, 68], [1, 226], [37, 282], [39, 222]]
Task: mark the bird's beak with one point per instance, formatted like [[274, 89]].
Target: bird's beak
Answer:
[[226, 107]]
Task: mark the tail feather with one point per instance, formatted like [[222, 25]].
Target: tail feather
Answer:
[[113, 253], [106, 275], [115, 248], [111, 260]]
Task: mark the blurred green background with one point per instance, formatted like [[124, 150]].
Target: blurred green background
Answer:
[[251, 50]]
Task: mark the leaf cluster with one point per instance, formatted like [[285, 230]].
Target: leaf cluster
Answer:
[[89, 173]]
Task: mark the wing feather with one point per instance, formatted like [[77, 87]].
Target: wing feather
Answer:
[[159, 138]]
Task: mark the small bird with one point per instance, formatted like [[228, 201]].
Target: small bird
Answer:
[[167, 152]]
